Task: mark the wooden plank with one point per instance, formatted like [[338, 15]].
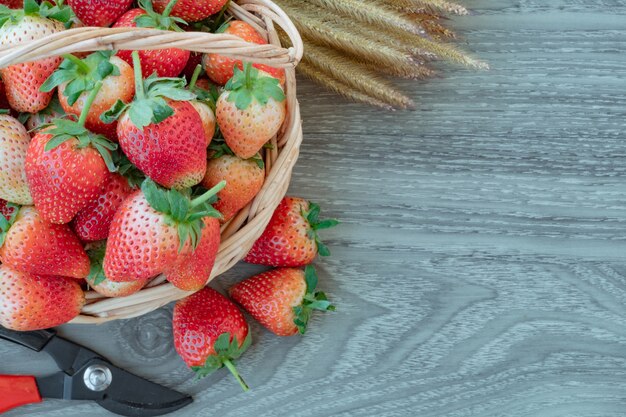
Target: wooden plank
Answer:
[[480, 267]]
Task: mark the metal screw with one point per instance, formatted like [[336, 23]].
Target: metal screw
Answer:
[[97, 377]]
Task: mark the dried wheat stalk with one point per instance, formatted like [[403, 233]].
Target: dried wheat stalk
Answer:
[[372, 39]]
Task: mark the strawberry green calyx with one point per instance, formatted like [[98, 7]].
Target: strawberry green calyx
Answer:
[[60, 12], [128, 170], [149, 105], [96, 253], [81, 75], [63, 130], [219, 23], [315, 224], [313, 300], [219, 148], [7, 222], [225, 352], [162, 21], [181, 210], [247, 85]]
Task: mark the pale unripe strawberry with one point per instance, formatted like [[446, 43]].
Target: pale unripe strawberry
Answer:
[[22, 81], [250, 111], [35, 302], [244, 179], [14, 141]]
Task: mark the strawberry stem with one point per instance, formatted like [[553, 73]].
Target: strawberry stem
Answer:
[[206, 196], [247, 69], [84, 68], [169, 7], [233, 370], [139, 91], [92, 96], [194, 77]]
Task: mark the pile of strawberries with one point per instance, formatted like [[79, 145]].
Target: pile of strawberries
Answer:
[[120, 166]]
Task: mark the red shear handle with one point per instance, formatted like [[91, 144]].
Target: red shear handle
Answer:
[[17, 390]]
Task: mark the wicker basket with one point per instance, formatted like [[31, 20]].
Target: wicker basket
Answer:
[[242, 230]]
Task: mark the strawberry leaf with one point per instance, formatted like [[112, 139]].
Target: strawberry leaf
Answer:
[[7, 222], [310, 276], [96, 257], [219, 148], [31, 7], [152, 19], [248, 85], [226, 350], [114, 112], [313, 300], [149, 105], [133, 175], [63, 130], [315, 224], [155, 195], [81, 75], [181, 210], [142, 114], [59, 11]]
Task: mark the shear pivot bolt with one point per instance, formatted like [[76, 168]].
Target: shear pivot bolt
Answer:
[[97, 377]]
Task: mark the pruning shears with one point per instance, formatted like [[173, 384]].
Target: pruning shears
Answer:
[[84, 375]]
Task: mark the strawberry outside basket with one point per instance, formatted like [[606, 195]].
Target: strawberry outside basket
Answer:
[[243, 229]]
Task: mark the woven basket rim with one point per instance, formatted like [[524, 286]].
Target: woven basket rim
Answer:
[[240, 232]]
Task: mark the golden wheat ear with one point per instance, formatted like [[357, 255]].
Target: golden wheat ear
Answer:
[[350, 45], [434, 6]]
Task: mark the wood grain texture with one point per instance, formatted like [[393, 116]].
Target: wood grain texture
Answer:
[[480, 267]]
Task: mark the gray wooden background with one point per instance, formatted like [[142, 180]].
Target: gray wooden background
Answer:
[[480, 269]]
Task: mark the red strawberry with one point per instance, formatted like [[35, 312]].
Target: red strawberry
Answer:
[[22, 81], [4, 102], [165, 62], [92, 223], [290, 239], [36, 246], [64, 178], [13, 4], [244, 179], [191, 10], [97, 280], [220, 68], [99, 12], [14, 140], [282, 299], [154, 229], [250, 111], [191, 272], [161, 133], [195, 59], [76, 78], [209, 332], [35, 302]]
